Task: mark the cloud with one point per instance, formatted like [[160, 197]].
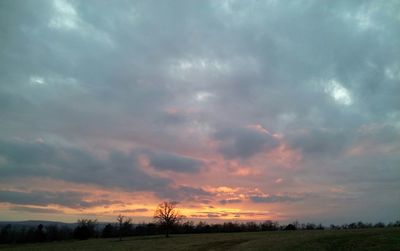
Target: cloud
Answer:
[[227, 214], [44, 198], [320, 141], [97, 82], [243, 142], [172, 162], [230, 201], [184, 192], [36, 210], [274, 198], [26, 159], [136, 210]]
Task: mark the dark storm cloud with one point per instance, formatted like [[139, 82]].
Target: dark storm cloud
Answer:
[[171, 162], [243, 142], [43, 198]]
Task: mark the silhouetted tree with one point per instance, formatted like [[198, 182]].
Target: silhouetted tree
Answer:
[[290, 227], [120, 220], [108, 231], [379, 225], [251, 226], [166, 215], [40, 235], [269, 226], [394, 224], [124, 226], [187, 227], [53, 233], [6, 234], [200, 227], [127, 227], [85, 229]]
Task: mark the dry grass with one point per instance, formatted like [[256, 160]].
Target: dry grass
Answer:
[[365, 239]]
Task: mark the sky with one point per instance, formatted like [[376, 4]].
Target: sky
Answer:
[[238, 110]]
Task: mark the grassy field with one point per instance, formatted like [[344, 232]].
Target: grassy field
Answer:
[[364, 239]]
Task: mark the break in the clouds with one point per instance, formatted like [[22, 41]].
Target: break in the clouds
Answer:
[[207, 102]]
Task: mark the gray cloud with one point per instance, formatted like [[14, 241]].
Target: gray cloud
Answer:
[[222, 213], [44, 198], [243, 142], [230, 201], [137, 210], [24, 159], [36, 210], [322, 141], [274, 198], [184, 192], [213, 215], [171, 162]]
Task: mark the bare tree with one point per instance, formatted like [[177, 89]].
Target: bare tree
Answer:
[[120, 220], [123, 221], [167, 215]]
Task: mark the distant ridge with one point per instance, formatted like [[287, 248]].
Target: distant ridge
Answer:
[[35, 223]]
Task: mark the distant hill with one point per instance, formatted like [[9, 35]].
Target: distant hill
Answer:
[[34, 223]]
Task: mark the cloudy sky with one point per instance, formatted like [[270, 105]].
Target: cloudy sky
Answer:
[[239, 110]]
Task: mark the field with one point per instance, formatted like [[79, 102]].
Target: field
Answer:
[[361, 239]]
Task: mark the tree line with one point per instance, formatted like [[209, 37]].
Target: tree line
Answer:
[[86, 229], [167, 220]]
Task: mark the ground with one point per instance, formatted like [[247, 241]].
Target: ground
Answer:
[[360, 239]]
